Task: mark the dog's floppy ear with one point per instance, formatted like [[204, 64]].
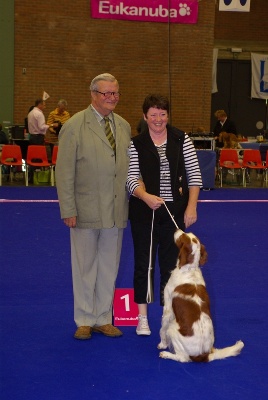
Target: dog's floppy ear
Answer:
[[185, 246], [203, 255]]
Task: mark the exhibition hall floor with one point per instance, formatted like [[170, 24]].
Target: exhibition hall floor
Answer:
[[41, 360]]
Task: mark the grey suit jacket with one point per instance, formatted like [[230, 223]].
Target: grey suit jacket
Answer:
[[91, 185]]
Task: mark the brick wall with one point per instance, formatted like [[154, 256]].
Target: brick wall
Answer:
[[246, 26], [62, 49]]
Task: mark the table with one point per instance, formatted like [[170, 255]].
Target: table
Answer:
[[207, 163], [203, 142], [250, 145], [263, 147]]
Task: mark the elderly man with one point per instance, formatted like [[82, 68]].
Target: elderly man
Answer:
[[91, 175]]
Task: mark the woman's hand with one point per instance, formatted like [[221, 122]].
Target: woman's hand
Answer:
[[152, 201], [190, 216]]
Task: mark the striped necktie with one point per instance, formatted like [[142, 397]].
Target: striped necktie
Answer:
[[109, 133]]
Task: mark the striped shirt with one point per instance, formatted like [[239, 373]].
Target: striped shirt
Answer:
[[191, 166], [55, 116]]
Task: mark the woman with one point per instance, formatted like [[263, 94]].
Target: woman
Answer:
[[224, 124], [163, 171]]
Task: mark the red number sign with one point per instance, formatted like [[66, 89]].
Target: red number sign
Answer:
[[125, 310]]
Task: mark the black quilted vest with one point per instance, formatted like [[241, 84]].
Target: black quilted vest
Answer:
[[149, 163]]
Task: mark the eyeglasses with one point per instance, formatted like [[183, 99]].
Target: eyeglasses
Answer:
[[108, 95]]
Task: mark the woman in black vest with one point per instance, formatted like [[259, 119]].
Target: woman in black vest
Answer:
[[163, 172]]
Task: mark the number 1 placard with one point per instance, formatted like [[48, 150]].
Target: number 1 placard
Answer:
[[125, 310]]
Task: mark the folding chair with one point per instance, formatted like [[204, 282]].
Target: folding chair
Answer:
[[36, 157], [53, 162], [228, 159], [251, 160], [12, 157], [266, 169]]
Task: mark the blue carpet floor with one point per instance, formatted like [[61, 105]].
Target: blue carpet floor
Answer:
[[40, 360]]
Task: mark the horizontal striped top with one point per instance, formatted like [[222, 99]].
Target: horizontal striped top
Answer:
[[191, 165]]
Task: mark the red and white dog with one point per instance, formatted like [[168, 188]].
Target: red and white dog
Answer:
[[187, 328]]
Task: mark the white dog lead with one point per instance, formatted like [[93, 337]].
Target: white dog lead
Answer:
[[150, 295], [171, 216]]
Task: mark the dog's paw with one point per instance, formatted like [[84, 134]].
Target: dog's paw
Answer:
[[164, 354], [239, 346], [162, 345]]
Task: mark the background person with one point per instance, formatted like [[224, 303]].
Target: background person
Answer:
[[26, 119], [60, 116], [223, 124], [37, 129], [164, 158], [91, 184], [3, 136], [142, 125], [36, 123], [3, 140]]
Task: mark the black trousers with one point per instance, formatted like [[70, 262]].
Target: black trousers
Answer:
[[163, 244], [37, 139]]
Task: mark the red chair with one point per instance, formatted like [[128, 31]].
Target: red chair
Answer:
[[229, 159], [53, 162], [36, 157], [266, 169], [12, 157], [251, 160]]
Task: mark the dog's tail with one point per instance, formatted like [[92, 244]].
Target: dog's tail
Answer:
[[232, 351]]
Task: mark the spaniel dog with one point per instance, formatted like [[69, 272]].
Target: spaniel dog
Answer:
[[187, 328]]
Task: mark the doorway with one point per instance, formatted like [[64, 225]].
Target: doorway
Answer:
[[233, 96]]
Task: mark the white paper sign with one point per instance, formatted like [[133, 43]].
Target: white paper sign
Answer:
[[234, 5]]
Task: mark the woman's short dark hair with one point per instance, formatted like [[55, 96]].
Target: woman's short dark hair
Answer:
[[155, 101]]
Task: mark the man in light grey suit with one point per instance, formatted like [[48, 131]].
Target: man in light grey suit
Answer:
[[91, 183]]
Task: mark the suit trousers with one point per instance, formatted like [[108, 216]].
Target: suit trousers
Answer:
[[95, 255]]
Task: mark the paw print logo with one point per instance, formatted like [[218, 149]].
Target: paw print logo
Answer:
[[184, 9]]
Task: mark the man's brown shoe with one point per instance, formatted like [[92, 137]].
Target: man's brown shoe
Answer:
[[83, 332], [108, 330]]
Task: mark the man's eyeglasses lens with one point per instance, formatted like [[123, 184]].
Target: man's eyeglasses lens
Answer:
[[109, 94]]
